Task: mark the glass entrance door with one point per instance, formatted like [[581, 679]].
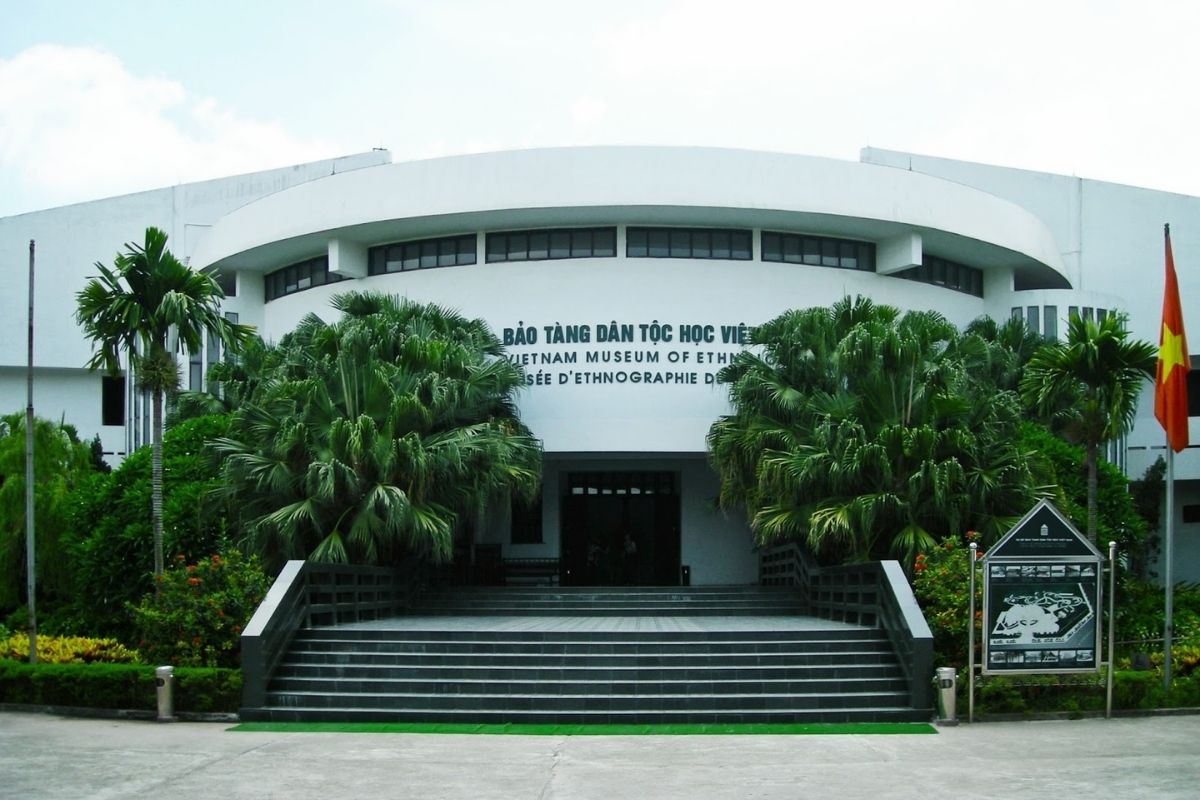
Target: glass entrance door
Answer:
[[620, 528]]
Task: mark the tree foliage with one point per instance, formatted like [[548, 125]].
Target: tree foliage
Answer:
[[869, 433], [1087, 387], [108, 525], [374, 436], [147, 298], [60, 463]]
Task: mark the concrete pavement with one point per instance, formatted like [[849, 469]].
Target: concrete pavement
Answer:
[[43, 756]]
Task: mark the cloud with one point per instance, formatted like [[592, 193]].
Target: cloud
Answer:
[[75, 124]]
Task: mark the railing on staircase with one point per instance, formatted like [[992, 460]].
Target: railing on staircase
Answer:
[[307, 594], [875, 594]]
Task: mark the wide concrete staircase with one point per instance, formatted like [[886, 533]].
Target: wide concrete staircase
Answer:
[[563, 655]]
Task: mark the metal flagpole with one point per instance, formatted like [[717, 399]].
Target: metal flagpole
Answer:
[[30, 559], [1112, 626], [971, 634], [1169, 579]]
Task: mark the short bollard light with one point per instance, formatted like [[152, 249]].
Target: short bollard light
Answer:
[[947, 681], [164, 682]]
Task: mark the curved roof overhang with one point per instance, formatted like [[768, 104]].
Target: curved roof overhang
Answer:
[[634, 185]]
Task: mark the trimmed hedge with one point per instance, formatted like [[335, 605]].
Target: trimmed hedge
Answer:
[[1028, 694], [118, 686]]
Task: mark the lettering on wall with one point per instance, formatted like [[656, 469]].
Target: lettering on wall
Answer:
[[650, 353]]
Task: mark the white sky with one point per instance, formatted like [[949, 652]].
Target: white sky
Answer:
[[103, 98]]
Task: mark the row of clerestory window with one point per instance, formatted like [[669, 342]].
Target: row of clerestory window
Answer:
[[640, 242]]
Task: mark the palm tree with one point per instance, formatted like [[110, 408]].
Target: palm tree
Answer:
[[373, 437], [146, 300], [1088, 387], [867, 432]]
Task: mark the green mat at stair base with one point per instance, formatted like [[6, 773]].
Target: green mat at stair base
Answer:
[[518, 729]]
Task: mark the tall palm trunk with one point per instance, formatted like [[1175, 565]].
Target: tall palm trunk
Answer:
[[156, 482]]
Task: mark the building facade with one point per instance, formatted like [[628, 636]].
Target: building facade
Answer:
[[621, 279]]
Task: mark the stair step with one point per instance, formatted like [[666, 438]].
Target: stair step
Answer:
[[558, 703], [644, 662]]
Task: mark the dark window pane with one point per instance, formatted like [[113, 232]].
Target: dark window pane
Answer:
[[1050, 320], [112, 400], [792, 252], [539, 245], [466, 249], [289, 280], [581, 244], [496, 247], [701, 244], [847, 255], [829, 253], [658, 244], [447, 252], [681, 244], [635, 243], [605, 242], [740, 245], [518, 246], [775, 246], [812, 251], [720, 244], [866, 257], [560, 244], [428, 255]]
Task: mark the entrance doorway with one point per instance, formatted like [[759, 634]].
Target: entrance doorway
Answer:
[[620, 528]]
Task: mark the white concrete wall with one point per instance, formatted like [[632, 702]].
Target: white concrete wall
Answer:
[[1111, 239], [71, 239], [572, 416]]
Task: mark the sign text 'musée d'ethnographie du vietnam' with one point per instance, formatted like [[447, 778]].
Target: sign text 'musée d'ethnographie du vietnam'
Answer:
[[639, 353]]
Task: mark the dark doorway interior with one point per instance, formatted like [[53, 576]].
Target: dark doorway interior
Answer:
[[601, 509]]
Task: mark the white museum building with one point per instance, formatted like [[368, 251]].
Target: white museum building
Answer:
[[622, 279]]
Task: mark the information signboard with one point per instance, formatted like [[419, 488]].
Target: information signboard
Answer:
[[1042, 598]]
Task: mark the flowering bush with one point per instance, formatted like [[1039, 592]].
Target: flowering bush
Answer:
[[940, 582], [67, 650], [196, 617]]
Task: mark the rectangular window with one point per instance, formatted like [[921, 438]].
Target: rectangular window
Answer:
[[112, 400], [813, 250], [195, 372], [960, 278], [539, 245], [689, 243], [659, 244], [635, 243], [305, 275], [1033, 319], [228, 283], [604, 242], [1050, 320], [560, 244]]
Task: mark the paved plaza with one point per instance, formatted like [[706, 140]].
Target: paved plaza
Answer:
[[44, 756]]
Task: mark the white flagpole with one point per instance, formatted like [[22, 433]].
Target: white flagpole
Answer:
[[1168, 578]]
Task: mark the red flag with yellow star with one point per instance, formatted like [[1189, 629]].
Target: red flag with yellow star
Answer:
[[1170, 382]]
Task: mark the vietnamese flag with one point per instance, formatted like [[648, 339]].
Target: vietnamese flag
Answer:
[[1170, 382]]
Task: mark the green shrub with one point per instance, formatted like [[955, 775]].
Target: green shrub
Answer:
[[940, 582], [117, 686], [109, 531], [67, 650], [196, 617]]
